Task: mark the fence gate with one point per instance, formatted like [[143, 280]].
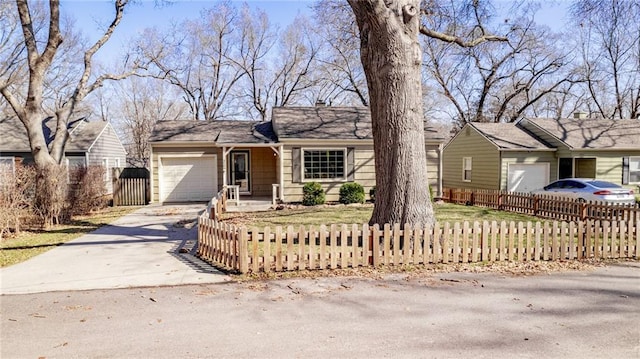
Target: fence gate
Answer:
[[131, 186]]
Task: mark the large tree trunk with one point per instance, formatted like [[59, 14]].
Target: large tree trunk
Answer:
[[391, 57]]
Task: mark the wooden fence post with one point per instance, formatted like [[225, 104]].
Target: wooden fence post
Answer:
[[244, 250], [583, 211], [375, 245]]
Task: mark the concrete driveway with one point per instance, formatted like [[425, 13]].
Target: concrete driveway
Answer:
[[149, 247]]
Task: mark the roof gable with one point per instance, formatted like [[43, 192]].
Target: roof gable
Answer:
[[83, 137], [508, 136], [591, 133]]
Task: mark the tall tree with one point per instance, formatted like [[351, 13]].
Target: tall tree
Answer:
[[277, 66], [339, 63], [27, 101], [392, 58], [138, 104], [196, 57], [609, 45], [495, 81]]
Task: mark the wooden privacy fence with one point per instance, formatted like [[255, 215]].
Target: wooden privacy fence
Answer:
[[130, 186], [129, 192], [266, 250], [551, 207]]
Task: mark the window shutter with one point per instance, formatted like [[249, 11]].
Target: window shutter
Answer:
[[625, 170], [351, 168], [295, 165]]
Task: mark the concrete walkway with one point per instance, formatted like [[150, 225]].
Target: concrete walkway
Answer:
[[153, 246]]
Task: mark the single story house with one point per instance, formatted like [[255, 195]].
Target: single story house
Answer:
[[533, 152], [89, 143], [192, 160]]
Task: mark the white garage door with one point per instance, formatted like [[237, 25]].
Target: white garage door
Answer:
[[527, 177], [188, 179]]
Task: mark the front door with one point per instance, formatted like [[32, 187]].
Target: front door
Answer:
[[565, 169], [239, 171]]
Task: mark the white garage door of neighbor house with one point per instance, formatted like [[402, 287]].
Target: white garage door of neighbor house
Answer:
[[527, 177], [188, 179]]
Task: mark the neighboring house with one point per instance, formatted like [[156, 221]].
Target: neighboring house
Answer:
[[192, 160], [529, 154], [89, 143]]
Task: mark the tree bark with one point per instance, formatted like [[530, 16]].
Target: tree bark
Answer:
[[391, 56]]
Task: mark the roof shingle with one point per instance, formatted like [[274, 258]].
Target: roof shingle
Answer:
[[592, 133], [508, 136], [331, 123], [83, 134], [220, 131]]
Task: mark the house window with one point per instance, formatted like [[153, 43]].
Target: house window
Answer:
[[7, 164], [325, 164], [105, 165], [466, 169], [7, 169], [76, 161], [634, 170], [74, 165]]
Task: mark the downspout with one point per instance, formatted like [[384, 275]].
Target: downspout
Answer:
[[280, 173], [440, 169], [500, 168], [152, 194]]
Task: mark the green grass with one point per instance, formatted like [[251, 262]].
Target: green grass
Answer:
[[361, 214], [28, 244]]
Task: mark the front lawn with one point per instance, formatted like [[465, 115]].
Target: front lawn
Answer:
[[29, 244], [340, 214]]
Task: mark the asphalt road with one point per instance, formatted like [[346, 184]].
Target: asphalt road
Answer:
[[575, 314]]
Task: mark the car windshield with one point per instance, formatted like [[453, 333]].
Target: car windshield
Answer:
[[603, 184]]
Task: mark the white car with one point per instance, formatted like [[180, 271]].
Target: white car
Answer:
[[588, 189]]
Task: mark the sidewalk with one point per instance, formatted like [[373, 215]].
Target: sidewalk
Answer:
[[150, 247]]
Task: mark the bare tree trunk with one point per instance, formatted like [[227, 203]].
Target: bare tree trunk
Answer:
[[391, 57]]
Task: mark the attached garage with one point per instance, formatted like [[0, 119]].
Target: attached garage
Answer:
[[187, 179], [527, 177]]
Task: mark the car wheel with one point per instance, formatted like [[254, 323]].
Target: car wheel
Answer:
[[581, 200]]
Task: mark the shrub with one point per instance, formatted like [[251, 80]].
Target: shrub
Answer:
[[51, 193], [89, 192], [312, 194], [17, 189], [351, 193]]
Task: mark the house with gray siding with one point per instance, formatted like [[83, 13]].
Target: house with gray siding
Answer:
[[192, 160], [90, 143], [532, 152]]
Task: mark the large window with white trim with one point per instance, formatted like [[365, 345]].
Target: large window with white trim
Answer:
[[320, 164]]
